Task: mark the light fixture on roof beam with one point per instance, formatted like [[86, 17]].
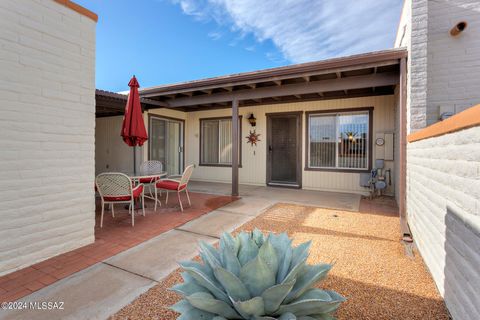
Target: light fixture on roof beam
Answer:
[[252, 120]]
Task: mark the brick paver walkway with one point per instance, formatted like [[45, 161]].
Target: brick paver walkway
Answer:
[[116, 236]]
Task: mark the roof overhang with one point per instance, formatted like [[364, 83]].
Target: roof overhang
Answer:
[[374, 73], [113, 104], [369, 74]]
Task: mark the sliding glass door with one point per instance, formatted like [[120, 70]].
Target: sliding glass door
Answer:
[[166, 143]]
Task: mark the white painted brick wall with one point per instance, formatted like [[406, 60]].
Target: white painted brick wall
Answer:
[[444, 173], [412, 34], [47, 127], [443, 71], [453, 62]]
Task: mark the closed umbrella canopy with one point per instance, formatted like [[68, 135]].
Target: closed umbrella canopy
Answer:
[[133, 128]]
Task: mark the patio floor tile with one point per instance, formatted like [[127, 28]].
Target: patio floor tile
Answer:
[[117, 235]]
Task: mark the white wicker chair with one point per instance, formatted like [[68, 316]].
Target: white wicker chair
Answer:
[[150, 167], [175, 185], [118, 188]]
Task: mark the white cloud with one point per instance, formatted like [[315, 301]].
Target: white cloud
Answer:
[[215, 35], [306, 30]]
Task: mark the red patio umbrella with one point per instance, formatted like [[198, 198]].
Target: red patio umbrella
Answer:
[[133, 127]]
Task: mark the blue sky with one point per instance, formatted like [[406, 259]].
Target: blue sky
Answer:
[[168, 41]]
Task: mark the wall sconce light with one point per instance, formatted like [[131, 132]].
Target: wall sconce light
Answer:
[[252, 120], [458, 28]]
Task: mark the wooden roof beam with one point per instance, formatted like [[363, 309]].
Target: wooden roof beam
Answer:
[[346, 83]]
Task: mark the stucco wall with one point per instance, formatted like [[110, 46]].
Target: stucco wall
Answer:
[[47, 120], [443, 204], [253, 169]]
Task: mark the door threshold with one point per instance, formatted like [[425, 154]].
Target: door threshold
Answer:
[[284, 185]]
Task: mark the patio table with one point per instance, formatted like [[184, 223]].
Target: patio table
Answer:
[[152, 176]]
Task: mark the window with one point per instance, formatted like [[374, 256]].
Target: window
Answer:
[[339, 140], [216, 141]]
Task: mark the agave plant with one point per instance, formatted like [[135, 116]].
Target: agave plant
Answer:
[[253, 276]]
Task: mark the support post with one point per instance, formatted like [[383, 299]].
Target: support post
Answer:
[[402, 94], [235, 146]]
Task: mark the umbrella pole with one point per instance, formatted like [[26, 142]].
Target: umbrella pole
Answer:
[[135, 160]]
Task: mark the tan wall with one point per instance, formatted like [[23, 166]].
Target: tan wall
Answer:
[[254, 165], [111, 153], [253, 169]]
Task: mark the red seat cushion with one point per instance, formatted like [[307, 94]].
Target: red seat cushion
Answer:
[[169, 185], [146, 180], [137, 192]]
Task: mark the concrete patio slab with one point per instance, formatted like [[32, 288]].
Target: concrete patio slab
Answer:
[[156, 258], [93, 293], [323, 199], [215, 223], [249, 206]]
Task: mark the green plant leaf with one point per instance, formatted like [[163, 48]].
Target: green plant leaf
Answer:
[[188, 286], [307, 278], [257, 276], [300, 253], [206, 302], [182, 306], [210, 283], [292, 275], [228, 242], [203, 268], [274, 296], [268, 254], [248, 249], [287, 316], [258, 237], [310, 305], [230, 262], [210, 255], [232, 284], [252, 307], [196, 314], [283, 248]]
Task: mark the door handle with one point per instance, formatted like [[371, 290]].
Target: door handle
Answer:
[[270, 148]]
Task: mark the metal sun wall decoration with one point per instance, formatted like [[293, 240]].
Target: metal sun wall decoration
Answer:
[[253, 138]]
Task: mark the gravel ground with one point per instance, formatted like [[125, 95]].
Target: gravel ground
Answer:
[[371, 269]]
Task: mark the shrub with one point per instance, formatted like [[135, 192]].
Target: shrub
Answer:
[[253, 276]]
